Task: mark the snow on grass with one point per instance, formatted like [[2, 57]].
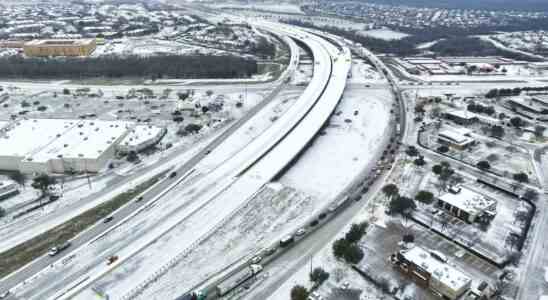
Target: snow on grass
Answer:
[[346, 146], [384, 34], [363, 72], [266, 218]]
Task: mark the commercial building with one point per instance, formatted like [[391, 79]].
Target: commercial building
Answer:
[[467, 205], [141, 137], [461, 117], [46, 48], [458, 138], [60, 146], [528, 104], [86, 147], [8, 188], [430, 269]]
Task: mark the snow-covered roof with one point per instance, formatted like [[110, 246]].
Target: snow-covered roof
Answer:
[[456, 135], [443, 272], [463, 114], [526, 102], [27, 136], [141, 134], [4, 124], [468, 201], [87, 139]]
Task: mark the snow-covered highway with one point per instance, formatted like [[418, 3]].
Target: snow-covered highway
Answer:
[[218, 186]]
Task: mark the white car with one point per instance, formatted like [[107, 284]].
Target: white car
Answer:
[[4, 295], [300, 232], [257, 259]]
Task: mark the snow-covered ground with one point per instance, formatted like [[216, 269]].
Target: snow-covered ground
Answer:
[[77, 195], [271, 7], [118, 239], [384, 34], [363, 72], [347, 145]]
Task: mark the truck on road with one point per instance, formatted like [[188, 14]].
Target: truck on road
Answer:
[[237, 279]]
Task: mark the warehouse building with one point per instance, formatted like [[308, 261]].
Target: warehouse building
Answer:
[[467, 205], [46, 48], [429, 269], [86, 147], [60, 146]]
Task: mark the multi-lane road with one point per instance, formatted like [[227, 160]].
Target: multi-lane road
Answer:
[[239, 177]]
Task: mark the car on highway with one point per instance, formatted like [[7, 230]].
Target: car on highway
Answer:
[[286, 240], [172, 174], [5, 295], [300, 232], [108, 219], [55, 250], [269, 251], [139, 199], [112, 259], [257, 259]]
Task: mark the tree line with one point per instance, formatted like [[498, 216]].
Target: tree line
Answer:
[[471, 46], [454, 41], [170, 66], [494, 93]]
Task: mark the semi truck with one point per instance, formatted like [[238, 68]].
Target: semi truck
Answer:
[[237, 279]]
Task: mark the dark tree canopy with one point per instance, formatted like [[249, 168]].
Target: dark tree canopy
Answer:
[[172, 66]]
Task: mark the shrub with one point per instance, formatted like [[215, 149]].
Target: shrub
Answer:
[[299, 292]]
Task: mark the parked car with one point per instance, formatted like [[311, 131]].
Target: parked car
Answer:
[[5, 295], [257, 259], [300, 232]]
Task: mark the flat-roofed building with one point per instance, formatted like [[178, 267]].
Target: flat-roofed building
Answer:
[[8, 188], [527, 104], [467, 205], [60, 146], [141, 137], [430, 270], [45, 48], [461, 117], [458, 138]]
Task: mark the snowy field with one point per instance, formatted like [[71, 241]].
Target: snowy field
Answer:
[[281, 7], [363, 72], [346, 147], [147, 46], [384, 34]]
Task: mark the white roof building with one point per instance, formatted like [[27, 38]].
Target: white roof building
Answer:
[[141, 137], [57, 146], [467, 204], [456, 136], [445, 278]]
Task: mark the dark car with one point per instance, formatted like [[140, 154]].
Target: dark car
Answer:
[[108, 219], [173, 174]]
